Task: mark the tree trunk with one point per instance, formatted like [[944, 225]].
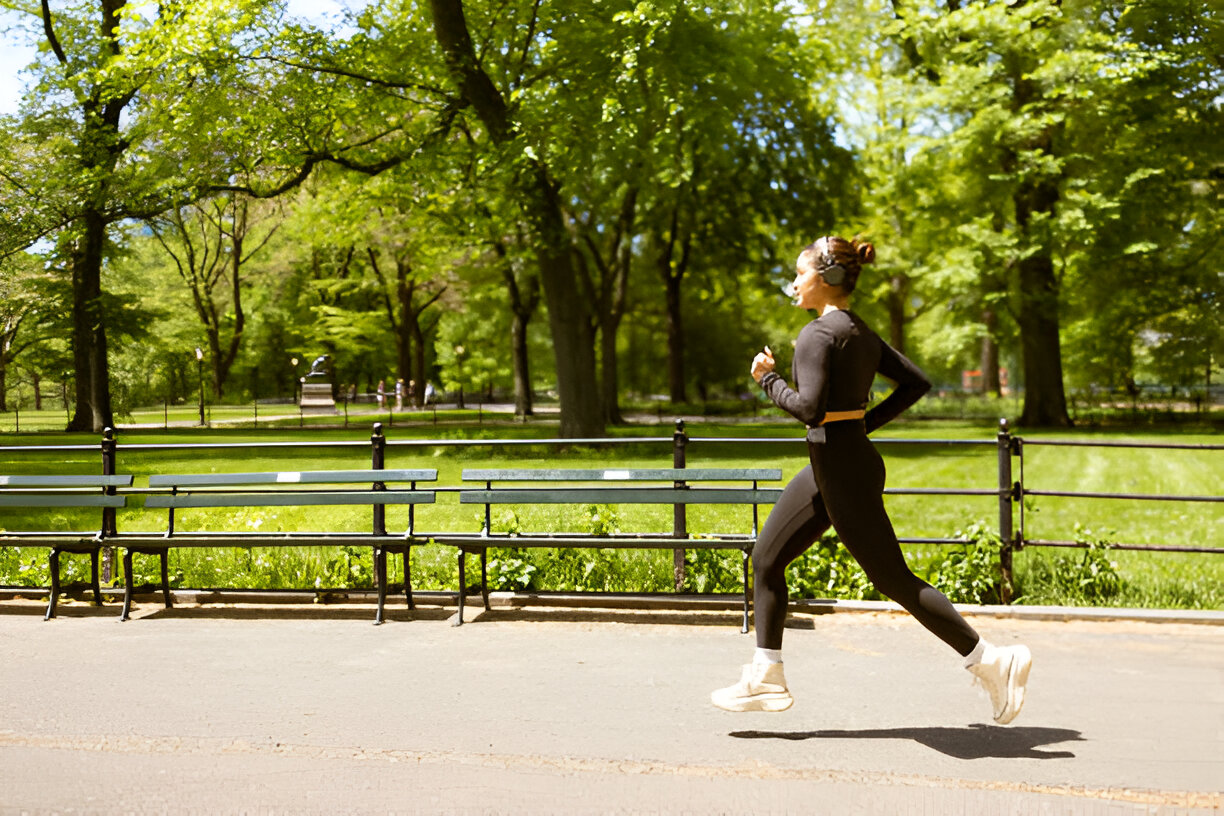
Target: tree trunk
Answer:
[[610, 382], [523, 407], [568, 313], [613, 293], [403, 326], [417, 375], [896, 312], [225, 362], [671, 270], [3, 381], [89, 353], [1045, 402], [675, 342], [523, 302], [990, 355]]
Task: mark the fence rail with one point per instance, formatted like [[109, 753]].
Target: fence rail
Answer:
[[1010, 491]]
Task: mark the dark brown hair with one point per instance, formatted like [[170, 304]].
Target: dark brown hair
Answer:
[[832, 251]]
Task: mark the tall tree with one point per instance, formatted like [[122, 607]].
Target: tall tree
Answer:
[[1016, 87], [538, 194], [97, 145]]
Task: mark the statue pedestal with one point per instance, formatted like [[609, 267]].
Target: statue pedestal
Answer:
[[317, 398]]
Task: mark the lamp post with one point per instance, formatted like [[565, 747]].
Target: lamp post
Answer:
[[294, 361], [200, 368]]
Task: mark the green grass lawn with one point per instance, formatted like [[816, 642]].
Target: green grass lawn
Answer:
[[1164, 579]]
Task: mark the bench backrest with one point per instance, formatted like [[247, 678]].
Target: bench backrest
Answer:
[[61, 491], [231, 489], [612, 487]]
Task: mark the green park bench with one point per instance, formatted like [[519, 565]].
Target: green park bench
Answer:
[[612, 486], [184, 492], [26, 492]]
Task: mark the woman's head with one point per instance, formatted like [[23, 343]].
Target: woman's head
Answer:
[[828, 270]]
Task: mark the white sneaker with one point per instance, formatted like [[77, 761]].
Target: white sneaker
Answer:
[[1003, 672], [762, 687]]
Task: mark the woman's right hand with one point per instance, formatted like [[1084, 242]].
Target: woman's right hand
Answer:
[[762, 364]]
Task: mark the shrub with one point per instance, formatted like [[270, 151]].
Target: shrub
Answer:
[[827, 570], [971, 573]]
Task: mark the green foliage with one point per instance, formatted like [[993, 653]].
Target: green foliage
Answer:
[[349, 567], [712, 571], [601, 520], [971, 574], [511, 570], [827, 570]]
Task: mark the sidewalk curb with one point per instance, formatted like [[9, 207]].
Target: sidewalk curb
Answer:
[[629, 601]]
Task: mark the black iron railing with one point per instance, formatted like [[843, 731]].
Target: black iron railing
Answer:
[[1010, 489]]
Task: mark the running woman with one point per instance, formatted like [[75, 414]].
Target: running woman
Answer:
[[836, 358]]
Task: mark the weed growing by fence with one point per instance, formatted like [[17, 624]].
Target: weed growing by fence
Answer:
[[827, 570], [971, 573]]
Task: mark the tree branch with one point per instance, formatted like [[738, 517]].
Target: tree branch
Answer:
[[51, 38], [531, 27], [451, 31], [350, 74]]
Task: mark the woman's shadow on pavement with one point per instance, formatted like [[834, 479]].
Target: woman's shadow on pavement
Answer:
[[975, 741]]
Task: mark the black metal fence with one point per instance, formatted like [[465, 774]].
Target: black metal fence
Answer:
[[1010, 489]]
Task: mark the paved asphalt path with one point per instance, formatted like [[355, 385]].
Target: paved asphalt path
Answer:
[[314, 710]]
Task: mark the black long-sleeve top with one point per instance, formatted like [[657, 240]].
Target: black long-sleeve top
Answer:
[[837, 356]]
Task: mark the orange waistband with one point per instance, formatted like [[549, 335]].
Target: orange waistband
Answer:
[[842, 416]]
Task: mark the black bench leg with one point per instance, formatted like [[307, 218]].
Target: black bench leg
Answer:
[[127, 586], [165, 571], [484, 576], [462, 586], [747, 562], [408, 577], [53, 562], [380, 575], [93, 564]]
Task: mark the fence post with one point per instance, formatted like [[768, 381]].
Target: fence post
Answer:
[[1006, 497], [109, 527], [680, 522], [378, 455]]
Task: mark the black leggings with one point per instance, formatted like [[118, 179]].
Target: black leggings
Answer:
[[844, 487]]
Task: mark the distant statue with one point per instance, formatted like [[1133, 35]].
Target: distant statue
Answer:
[[319, 367]]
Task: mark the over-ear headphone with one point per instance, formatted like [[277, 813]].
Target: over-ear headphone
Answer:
[[833, 273]]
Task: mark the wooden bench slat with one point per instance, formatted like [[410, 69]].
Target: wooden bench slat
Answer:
[[156, 541], [662, 541], [15, 499], [289, 477], [124, 480], [621, 474], [291, 498], [622, 495]]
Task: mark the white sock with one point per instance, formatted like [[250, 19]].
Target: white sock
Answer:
[[975, 657], [767, 655]]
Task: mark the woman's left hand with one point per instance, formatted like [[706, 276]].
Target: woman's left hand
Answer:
[[762, 364]]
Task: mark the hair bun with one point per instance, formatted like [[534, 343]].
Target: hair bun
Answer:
[[865, 252]]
